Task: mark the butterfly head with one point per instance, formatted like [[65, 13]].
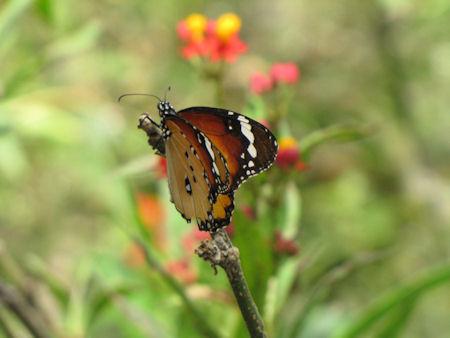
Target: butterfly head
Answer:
[[165, 108]]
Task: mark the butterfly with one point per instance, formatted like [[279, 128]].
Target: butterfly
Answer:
[[210, 152]]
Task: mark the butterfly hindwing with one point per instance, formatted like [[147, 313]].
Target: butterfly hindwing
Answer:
[[247, 146], [221, 213]]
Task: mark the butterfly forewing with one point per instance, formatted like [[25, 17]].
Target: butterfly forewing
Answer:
[[194, 176], [246, 145]]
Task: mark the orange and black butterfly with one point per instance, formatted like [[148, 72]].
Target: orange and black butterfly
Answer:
[[209, 152]]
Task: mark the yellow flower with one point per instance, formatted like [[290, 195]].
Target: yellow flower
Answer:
[[288, 143], [227, 25], [196, 24]]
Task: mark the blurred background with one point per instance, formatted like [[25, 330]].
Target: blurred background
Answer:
[[347, 235]]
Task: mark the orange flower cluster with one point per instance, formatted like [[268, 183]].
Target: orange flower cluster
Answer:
[[215, 40]]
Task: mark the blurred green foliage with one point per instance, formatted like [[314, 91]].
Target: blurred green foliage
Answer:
[[370, 215]]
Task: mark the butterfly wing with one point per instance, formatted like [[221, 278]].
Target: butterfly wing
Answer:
[[194, 175], [247, 147], [222, 210]]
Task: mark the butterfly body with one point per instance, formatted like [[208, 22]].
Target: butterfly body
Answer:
[[210, 152]]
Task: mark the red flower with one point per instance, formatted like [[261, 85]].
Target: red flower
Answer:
[[134, 255], [152, 214], [260, 83], [287, 73], [249, 212], [215, 40], [192, 239], [226, 50], [285, 246], [289, 155], [230, 229], [280, 73], [182, 270], [161, 167], [265, 123]]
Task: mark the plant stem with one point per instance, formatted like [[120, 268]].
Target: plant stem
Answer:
[[215, 73], [220, 251]]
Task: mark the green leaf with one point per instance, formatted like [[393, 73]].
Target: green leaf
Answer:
[[76, 42], [13, 160], [278, 290], [101, 299], [270, 304], [255, 108], [401, 295], [292, 212], [342, 133], [398, 319], [39, 270], [10, 14], [45, 9], [5, 129]]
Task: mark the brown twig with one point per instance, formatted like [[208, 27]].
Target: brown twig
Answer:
[[12, 300], [220, 251]]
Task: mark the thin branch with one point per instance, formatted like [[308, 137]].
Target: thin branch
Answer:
[[12, 300], [220, 251]]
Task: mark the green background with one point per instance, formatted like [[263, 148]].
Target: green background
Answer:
[[371, 215]]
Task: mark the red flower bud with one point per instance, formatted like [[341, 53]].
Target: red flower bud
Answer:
[[161, 167], [182, 270], [260, 83], [287, 73], [285, 246]]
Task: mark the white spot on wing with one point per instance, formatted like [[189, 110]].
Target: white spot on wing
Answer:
[[252, 150], [215, 167], [209, 148], [251, 164], [248, 133], [243, 119]]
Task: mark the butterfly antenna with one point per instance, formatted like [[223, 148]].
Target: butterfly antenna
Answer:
[[138, 94], [165, 94]]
